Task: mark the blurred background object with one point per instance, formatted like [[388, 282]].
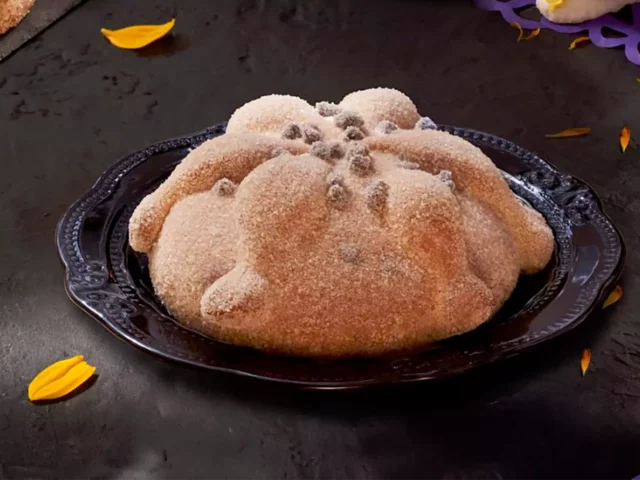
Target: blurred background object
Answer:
[[621, 29], [16, 30]]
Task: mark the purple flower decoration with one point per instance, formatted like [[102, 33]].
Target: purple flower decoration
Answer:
[[630, 34]]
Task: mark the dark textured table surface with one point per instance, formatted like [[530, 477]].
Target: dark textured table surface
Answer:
[[71, 104]]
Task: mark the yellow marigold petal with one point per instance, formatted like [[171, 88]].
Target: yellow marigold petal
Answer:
[[613, 297], [60, 379], [532, 35], [555, 4], [584, 361], [52, 373], [625, 138], [67, 384], [517, 26], [578, 41], [137, 36], [570, 132]]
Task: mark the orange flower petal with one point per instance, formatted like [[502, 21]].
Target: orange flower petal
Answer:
[[137, 36], [532, 35], [60, 379], [578, 41], [52, 373], [570, 132], [613, 297], [517, 26], [625, 138], [584, 361]]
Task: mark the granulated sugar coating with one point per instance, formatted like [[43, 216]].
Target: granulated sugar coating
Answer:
[[382, 104], [311, 134], [346, 119], [12, 12], [337, 151], [385, 127], [327, 109], [224, 186], [321, 150], [353, 134], [313, 255]]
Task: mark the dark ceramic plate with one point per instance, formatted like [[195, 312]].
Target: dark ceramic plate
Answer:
[[109, 281]]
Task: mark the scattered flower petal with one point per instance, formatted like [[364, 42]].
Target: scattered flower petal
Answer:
[[578, 41], [137, 36], [613, 297], [517, 26], [532, 35], [584, 361], [60, 379], [625, 138], [570, 132]]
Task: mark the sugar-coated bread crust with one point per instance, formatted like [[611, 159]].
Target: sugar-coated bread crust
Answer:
[[339, 230]]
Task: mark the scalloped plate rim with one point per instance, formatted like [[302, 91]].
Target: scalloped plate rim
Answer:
[[509, 352]]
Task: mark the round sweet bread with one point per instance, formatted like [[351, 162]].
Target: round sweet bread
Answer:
[[340, 230], [12, 12]]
